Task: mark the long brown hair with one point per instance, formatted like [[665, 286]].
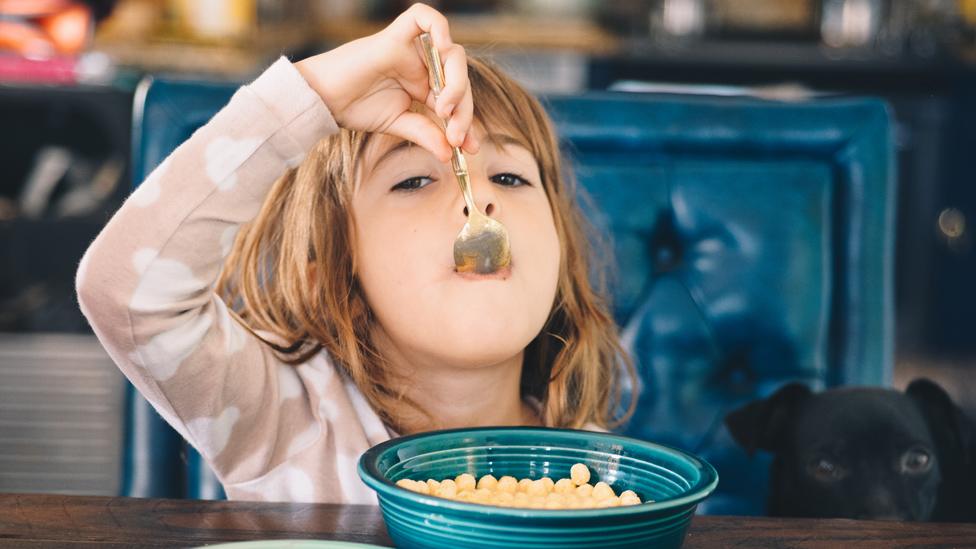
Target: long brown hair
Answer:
[[291, 274]]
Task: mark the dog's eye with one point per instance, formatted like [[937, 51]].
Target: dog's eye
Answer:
[[915, 461], [825, 469]]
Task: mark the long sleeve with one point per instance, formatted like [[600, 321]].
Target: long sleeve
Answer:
[[146, 284]]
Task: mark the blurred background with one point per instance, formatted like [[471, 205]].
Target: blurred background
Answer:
[[69, 72]]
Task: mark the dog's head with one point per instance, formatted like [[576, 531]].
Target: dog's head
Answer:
[[856, 452]]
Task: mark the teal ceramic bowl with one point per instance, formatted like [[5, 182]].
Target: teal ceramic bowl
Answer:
[[676, 481]]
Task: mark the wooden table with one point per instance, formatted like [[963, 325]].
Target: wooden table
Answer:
[[37, 521]]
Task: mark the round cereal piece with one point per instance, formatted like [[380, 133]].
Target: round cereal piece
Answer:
[[629, 497], [447, 489], [537, 502], [487, 482], [563, 486], [523, 485], [465, 481], [584, 490], [421, 487], [507, 484], [432, 486], [629, 500], [554, 504], [504, 499], [549, 483], [466, 495], [521, 499], [579, 474], [602, 490], [482, 495], [573, 501], [613, 501], [553, 496], [537, 488], [406, 483]]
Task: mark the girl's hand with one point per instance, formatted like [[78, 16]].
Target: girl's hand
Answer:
[[369, 84]]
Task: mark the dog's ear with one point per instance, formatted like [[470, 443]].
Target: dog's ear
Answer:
[[952, 430], [762, 424]]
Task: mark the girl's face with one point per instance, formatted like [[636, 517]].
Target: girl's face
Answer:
[[408, 209]]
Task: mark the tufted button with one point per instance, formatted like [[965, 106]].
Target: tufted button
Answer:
[[666, 248]]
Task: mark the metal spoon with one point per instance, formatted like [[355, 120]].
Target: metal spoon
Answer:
[[482, 246]]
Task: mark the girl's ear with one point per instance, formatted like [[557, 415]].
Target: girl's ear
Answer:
[[763, 424]]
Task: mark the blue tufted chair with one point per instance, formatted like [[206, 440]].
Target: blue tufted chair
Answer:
[[753, 246], [752, 242]]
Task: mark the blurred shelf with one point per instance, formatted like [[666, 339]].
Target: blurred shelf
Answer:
[[501, 31], [739, 62], [233, 59]]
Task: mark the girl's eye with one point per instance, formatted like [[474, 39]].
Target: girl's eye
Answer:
[[413, 183], [509, 180]]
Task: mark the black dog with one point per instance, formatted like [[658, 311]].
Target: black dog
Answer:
[[866, 453]]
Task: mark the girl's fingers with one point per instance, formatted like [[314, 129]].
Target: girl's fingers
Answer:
[[431, 101], [454, 101], [420, 129], [455, 80], [471, 144], [422, 18], [459, 124]]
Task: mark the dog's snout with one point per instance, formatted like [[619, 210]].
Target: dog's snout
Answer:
[[881, 505]]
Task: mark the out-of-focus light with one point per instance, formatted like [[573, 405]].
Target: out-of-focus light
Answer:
[[847, 23], [952, 223]]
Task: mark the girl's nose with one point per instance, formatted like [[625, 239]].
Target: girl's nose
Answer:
[[485, 199], [487, 210]]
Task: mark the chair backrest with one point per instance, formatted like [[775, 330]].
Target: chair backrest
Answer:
[[157, 462], [752, 245]]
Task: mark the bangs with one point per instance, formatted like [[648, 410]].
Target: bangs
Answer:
[[501, 107]]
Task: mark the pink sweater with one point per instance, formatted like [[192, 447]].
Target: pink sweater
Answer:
[[269, 430]]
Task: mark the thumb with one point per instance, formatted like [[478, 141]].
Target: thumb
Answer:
[[423, 131]]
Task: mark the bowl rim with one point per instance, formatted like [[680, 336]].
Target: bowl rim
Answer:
[[370, 474]]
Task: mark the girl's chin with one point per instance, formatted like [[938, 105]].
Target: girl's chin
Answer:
[[479, 358]]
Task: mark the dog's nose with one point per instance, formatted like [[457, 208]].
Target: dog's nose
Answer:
[[881, 504]]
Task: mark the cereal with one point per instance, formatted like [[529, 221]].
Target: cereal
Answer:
[[464, 482], [628, 497], [488, 482], [574, 492], [448, 489], [602, 490], [507, 484], [406, 483], [563, 486], [579, 474]]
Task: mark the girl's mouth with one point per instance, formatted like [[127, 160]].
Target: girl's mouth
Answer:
[[503, 274]]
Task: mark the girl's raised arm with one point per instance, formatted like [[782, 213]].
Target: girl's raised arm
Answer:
[[146, 284]]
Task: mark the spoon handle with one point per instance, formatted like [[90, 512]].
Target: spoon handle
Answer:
[[436, 72]]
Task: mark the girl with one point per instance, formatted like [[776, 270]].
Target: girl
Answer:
[[282, 287]]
